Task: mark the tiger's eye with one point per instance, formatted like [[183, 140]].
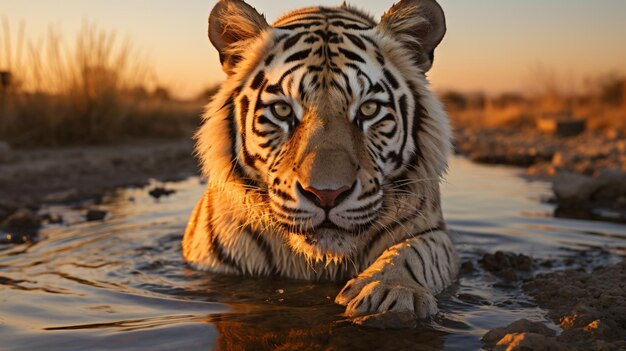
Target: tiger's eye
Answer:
[[282, 110], [369, 109]]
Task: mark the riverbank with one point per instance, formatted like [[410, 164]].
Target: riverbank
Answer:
[[588, 307], [31, 178], [588, 171]]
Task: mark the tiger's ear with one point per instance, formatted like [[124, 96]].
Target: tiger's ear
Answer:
[[231, 24], [420, 25]]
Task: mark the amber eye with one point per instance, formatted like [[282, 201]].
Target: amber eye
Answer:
[[282, 110], [369, 109]]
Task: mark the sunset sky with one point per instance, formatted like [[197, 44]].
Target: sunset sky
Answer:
[[491, 45]]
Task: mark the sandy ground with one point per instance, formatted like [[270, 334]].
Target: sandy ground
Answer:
[[35, 177]]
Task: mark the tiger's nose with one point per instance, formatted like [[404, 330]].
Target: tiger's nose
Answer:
[[325, 198]]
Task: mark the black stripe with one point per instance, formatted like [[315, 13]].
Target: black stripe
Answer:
[[339, 88], [264, 133], [383, 298], [365, 207], [265, 247], [268, 144], [215, 247], [409, 269], [300, 25], [230, 120], [369, 193], [380, 58], [435, 259], [403, 112], [347, 80], [275, 89], [376, 88], [289, 43], [300, 55], [432, 240], [258, 80], [283, 195], [356, 41], [244, 106], [312, 39], [391, 78], [418, 115], [290, 218], [288, 72], [388, 118], [391, 228], [313, 17], [358, 20], [370, 40], [351, 55], [360, 73], [419, 256], [348, 26]]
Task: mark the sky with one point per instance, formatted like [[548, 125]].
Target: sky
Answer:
[[491, 45]]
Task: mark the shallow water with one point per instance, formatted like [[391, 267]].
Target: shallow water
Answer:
[[121, 284]]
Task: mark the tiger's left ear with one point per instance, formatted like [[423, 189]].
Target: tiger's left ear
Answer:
[[231, 24], [420, 25]]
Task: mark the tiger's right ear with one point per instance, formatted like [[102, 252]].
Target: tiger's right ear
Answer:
[[231, 24]]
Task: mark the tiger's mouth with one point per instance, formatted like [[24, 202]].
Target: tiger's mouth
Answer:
[[326, 240]]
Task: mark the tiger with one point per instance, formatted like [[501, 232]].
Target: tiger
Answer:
[[323, 151]]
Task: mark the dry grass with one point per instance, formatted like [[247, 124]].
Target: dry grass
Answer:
[[95, 91], [602, 104]]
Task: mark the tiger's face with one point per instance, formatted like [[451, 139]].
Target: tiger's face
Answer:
[[326, 112]]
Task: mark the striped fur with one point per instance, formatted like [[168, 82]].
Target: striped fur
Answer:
[[325, 62]]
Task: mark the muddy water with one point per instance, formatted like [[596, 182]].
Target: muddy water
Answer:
[[121, 284]]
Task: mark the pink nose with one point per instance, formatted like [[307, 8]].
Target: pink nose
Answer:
[[326, 198]]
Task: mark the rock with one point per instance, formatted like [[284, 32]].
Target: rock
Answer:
[[23, 221], [161, 191], [467, 267], [591, 307], [519, 326], [52, 218], [388, 320], [611, 185], [529, 341], [95, 215], [506, 264], [572, 188]]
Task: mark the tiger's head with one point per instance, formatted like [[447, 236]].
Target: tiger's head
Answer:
[[321, 114]]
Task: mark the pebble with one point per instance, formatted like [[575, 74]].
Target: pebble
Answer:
[[95, 215], [22, 221], [159, 192]]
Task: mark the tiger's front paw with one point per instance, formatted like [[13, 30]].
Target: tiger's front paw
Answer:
[[363, 297]]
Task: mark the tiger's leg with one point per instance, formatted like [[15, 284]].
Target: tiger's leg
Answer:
[[405, 277]]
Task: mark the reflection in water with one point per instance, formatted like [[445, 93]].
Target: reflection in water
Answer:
[[122, 284]]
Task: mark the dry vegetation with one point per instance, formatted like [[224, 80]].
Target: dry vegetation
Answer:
[[601, 103], [96, 91]]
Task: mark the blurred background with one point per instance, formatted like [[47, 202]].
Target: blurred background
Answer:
[[535, 84], [115, 63]]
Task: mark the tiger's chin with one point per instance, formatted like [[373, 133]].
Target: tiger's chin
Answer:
[[324, 244]]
